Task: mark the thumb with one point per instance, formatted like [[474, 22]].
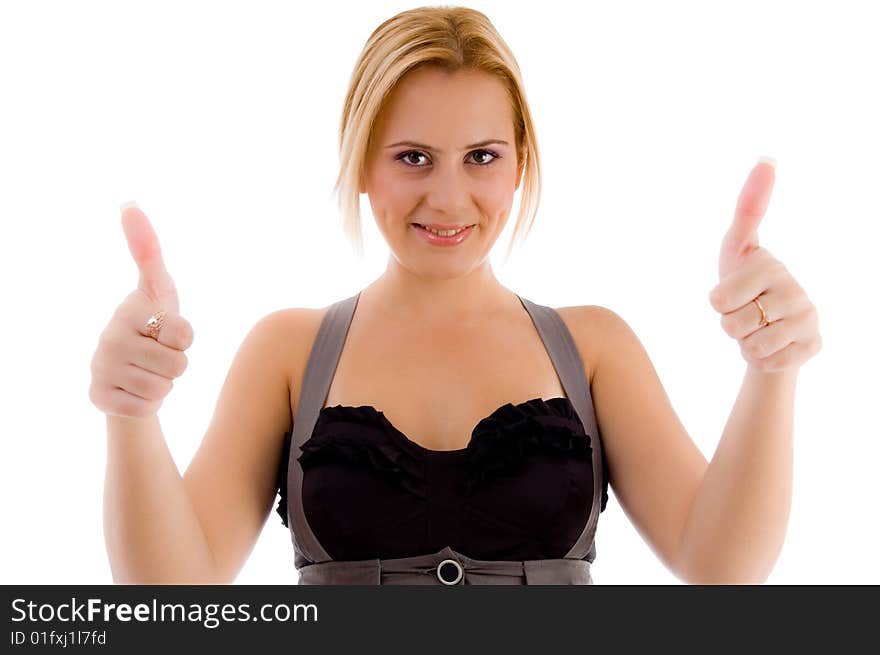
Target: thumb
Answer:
[[741, 238], [144, 246]]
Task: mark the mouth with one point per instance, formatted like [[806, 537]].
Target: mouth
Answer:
[[444, 235]]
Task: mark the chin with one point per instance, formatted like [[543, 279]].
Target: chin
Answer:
[[435, 270]]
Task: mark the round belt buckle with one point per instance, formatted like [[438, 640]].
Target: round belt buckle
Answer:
[[449, 571]]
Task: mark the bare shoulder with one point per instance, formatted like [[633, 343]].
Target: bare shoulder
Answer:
[[591, 327], [293, 331]]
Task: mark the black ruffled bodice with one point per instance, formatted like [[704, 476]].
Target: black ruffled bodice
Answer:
[[520, 489]]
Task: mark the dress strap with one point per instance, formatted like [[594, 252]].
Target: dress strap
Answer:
[[570, 369], [323, 359]]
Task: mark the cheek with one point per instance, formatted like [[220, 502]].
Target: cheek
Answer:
[[497, 195], [388, 191]]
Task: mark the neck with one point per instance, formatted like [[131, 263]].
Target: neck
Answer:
[[402, 294]]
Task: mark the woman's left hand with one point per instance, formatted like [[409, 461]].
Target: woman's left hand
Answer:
[[748, 271]]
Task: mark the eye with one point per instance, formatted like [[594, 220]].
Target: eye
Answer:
[[487, 152], [404, 156], [408, 156]]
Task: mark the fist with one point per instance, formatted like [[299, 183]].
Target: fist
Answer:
[[131, 371], [761, 304]]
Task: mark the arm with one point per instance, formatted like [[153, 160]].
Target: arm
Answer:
[[709, 523], [654, 467], [722, 522], [737, 523], [147, 512], [164, 528]]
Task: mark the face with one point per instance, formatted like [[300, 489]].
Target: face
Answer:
[[458, 166]]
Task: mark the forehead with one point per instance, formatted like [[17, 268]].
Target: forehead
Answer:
[[431, 101]]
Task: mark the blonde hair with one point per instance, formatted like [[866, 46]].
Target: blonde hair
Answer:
[[452, 38]]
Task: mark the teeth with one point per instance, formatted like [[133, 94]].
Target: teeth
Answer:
[[444, 233]]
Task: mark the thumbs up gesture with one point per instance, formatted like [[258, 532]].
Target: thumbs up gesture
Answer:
[[135, 362], [761, 304]]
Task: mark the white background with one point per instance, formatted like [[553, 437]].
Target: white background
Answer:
[[220, 120]]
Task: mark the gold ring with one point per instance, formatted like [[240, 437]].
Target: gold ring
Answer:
[[764, 320], [155, 323]]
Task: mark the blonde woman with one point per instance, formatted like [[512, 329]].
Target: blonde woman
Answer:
[[436, 427]]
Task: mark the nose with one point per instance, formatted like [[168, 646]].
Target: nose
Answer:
[[448, 190]]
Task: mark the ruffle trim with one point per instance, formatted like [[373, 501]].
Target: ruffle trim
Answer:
[[502, 441], [332, 441], [499, 445], [281, 479]]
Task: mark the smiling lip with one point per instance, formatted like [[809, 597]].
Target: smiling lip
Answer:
[[434, 239]]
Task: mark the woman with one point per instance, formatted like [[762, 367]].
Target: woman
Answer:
[[490, 463]]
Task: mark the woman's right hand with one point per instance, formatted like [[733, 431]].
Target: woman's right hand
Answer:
[[132, 372]]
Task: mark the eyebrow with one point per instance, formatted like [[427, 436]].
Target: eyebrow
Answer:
[[414, 144]]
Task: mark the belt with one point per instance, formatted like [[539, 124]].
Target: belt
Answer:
[[446, 567]]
